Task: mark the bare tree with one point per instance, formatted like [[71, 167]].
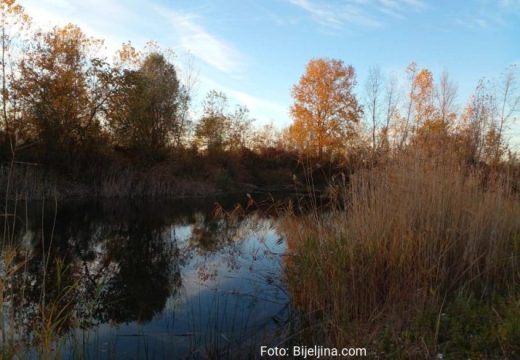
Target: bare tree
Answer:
[[373, 88], [504, 105], [477, 118], [189, 74], [508, 98], [445, 96], [391, 100], [411, 72], [189, 79]]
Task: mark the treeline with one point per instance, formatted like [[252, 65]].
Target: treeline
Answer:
[[64, 100], [412, 112], [126, 125]]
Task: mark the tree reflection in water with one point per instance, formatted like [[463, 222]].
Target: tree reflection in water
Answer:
[[122, 263]]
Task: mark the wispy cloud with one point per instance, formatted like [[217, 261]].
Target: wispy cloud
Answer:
[[117, 21], [490, 14], [194, 38], [365, 13], [335, 16]]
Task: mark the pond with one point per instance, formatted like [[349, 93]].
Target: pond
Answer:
[[133, 279]]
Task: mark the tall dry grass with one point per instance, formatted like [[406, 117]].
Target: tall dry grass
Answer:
[[21, 337], [410, 237]]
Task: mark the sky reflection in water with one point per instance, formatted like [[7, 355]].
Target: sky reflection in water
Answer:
[[158, 280]]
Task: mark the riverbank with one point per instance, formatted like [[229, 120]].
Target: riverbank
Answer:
[[200, 177]]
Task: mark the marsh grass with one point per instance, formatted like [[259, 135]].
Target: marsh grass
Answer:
[[29, 333], [408, 244]]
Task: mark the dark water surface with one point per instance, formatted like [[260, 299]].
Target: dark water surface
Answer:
[[154, 280]]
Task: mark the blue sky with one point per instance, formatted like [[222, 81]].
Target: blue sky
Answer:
[[255, 50]]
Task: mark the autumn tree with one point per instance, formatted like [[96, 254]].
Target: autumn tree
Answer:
[[434, 111], [422, 97], [325, 109], [13, 21], [145, 112], [63, 88]]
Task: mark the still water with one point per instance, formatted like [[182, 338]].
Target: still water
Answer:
[[153, 280]]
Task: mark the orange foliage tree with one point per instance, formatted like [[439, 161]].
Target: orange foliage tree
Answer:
[[423, 97], [325, 109], [432, 122]]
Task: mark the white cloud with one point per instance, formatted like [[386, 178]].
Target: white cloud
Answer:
[[195, 39], [490, 15], [335, 16], [118, 21], [356, 12]]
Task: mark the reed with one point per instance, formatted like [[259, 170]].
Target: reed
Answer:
[[29, 332], [407, 240]]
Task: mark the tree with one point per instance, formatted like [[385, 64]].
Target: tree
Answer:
[[325, 108], [145, 112], [267, 137], [475, 122], [221, 130], [422, 96], [13, 20], [212, 130], [445, 96], [434, 111], [490, 110], [63, 90], [391, 108], [239, 128], [505, 104], [411, 72], [373, 89]]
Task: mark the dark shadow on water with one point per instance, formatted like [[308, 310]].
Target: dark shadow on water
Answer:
[[177, 278]]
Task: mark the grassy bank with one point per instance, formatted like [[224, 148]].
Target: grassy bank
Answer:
[[175, 176], [419, 258]]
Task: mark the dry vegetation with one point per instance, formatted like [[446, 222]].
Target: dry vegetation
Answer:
[[413, 243]]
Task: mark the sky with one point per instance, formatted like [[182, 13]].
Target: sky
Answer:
[[256, 50]]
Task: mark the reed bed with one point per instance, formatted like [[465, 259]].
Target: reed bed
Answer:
[[409, 242]]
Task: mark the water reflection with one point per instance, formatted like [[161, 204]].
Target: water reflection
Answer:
[[178, 277]]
